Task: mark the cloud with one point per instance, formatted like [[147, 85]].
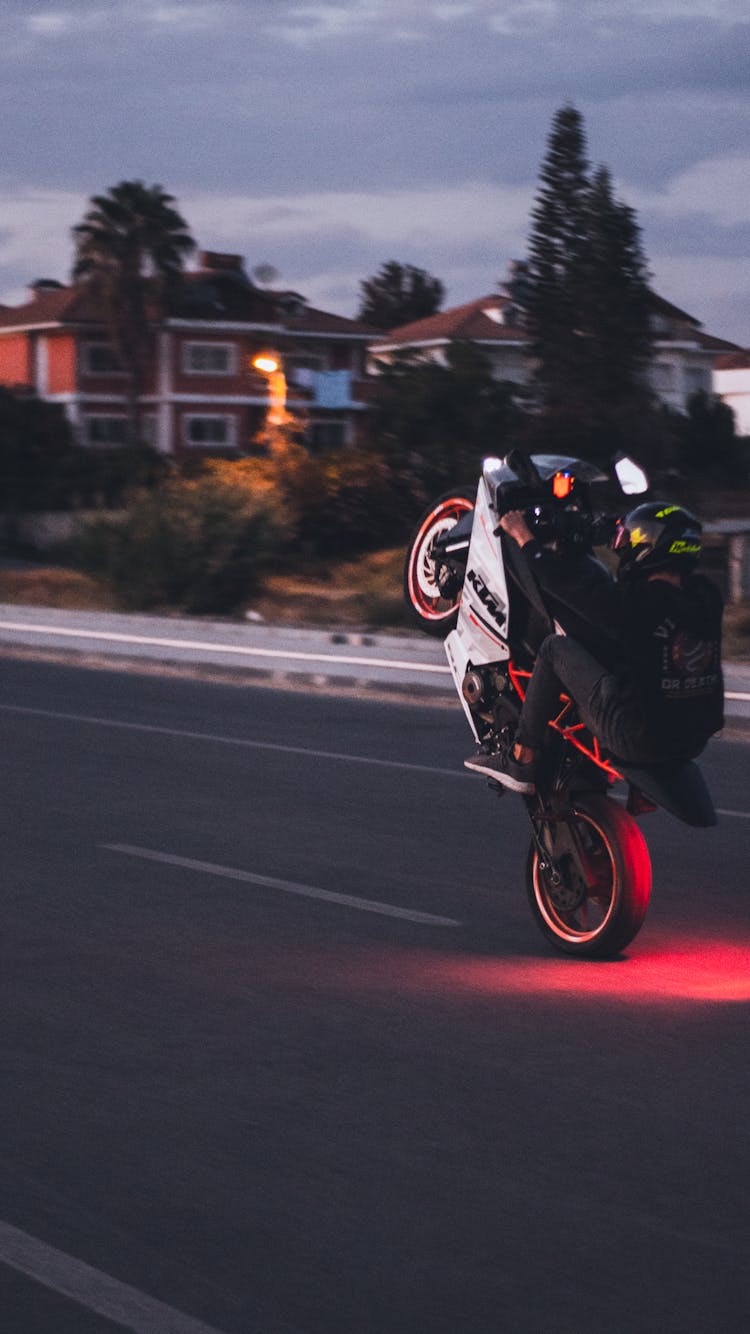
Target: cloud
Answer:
[[665, 11], [451, 12], [326, 136], [717, 188], [183, 17], [318, 22], [325, 243], [35, 240], [524, 15], [59, 23], [330, 242], [315, 234]]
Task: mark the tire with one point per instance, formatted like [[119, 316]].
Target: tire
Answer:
[[598, 921], [435, 610]]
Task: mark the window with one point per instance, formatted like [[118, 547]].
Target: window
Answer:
[[211, 431], [322, 436], [209, 358], [106, 430], [101, 359]]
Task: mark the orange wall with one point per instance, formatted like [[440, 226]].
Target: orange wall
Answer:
[[15, 359], [61, 363]]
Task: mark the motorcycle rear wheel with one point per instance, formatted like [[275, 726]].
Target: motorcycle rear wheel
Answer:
[[434, 608], [601, 899]]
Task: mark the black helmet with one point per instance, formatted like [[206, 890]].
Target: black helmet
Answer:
[[658, 536]]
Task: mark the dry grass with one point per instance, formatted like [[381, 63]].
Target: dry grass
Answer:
[[52, 586], [365, 594]]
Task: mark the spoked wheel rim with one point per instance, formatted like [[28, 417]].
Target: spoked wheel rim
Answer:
[[579, 908], [595, 907], [424, 590]]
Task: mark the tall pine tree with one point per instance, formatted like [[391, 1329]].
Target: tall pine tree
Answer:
[[587, 296], [618, 295], [557, 290]]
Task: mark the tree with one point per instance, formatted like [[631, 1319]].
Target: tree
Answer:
[[433, 423], [37, 455], [556, 287], [130, 249], [709, 441], [399, 294], [618, 298], [586, 294]]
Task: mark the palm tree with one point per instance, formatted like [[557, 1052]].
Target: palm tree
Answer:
[[130, 249]]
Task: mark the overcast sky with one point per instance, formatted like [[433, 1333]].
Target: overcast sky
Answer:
[[327, 138]]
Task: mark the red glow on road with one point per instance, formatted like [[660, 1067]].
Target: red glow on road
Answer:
[[681, 971], [670, 970]]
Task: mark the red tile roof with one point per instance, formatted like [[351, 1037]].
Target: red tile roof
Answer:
[[712, 344], [59, 305], [216, 297], [660, 306], [470, 321], [734, 361], [310, 320]]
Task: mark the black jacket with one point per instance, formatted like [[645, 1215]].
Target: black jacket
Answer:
[[662, 642]]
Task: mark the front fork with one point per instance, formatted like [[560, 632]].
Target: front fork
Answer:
[[556, 836]]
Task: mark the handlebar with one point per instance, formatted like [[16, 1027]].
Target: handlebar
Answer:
[[574, 527]]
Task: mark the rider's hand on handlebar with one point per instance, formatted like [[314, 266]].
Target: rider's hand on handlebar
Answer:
[[514, 524]]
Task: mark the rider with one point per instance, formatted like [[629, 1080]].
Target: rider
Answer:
[[654, 690]]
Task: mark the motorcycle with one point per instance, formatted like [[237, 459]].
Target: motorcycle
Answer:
[[588, 870]]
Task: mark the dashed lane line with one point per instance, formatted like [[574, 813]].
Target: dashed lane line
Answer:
[[282, 886], [91, 1289], [223, 740], [220, 739]]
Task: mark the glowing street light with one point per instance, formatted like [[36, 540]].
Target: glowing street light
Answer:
[[266, 364], [270, 365]]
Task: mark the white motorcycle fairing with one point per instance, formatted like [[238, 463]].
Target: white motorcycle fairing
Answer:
[[480, 636]]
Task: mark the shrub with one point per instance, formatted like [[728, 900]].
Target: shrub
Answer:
[[329, 504], [198, 545]]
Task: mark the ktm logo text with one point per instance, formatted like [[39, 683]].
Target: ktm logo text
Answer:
[[489, 600]]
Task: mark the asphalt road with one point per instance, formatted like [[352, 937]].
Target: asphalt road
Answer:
[[284, 1053]]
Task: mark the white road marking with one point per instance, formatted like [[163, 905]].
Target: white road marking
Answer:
[[223, 740], [283, 886], [210, 646], [92, 1289], [219, 739]]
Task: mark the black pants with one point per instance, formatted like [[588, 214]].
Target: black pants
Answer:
[[607, 709]]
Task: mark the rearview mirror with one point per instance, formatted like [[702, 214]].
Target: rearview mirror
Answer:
[[633, 480]]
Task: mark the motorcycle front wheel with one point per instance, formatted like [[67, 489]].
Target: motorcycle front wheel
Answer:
[[433, 601], [592, 900]]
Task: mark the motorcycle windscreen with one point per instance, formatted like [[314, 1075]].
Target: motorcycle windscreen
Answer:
[[679, 788]]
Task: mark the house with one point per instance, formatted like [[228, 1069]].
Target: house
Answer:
[[684, 355], [491, 322], [202, 393], [732, 384]]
